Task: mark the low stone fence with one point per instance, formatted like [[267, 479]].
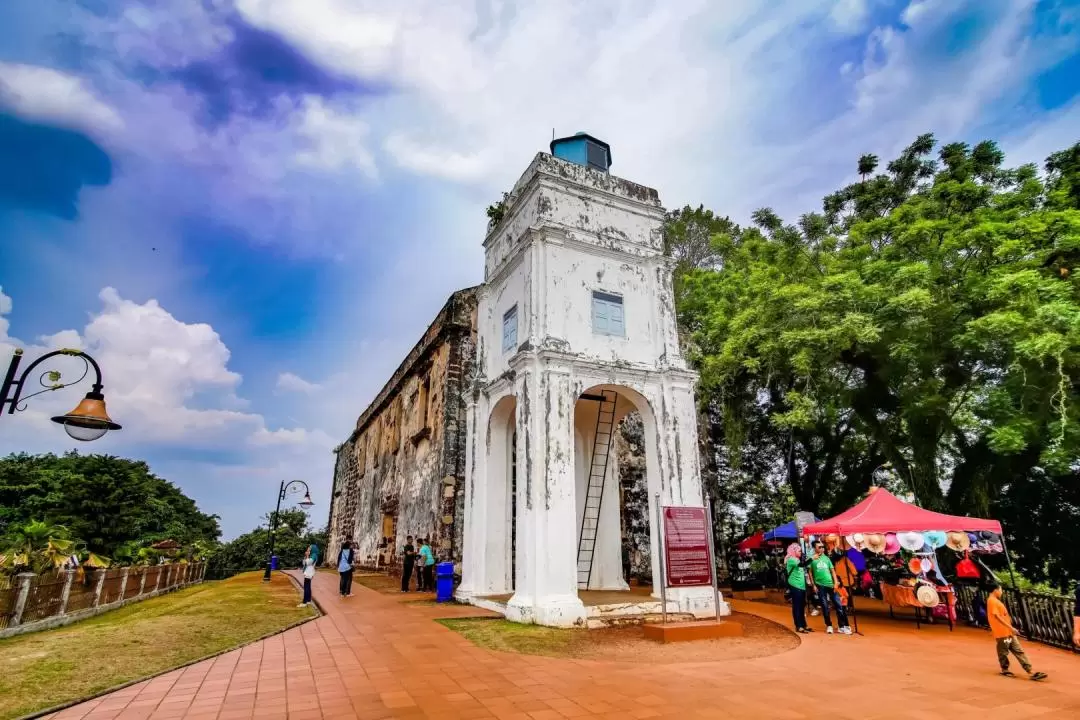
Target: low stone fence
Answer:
[[30, 602]]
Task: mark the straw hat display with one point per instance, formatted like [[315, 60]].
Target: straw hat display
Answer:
[[875, 543], [857, 541], [927, 596], [892, 545], [934, 538], [958, 541], [911, 541]]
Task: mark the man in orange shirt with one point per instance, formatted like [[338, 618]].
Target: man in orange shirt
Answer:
[[1005, 635]]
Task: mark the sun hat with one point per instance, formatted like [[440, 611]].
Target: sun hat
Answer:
[[892, 545], [831, 541], [989, 537], [875, 543], [926, 564], [857, 541], [934, 538], [927, 596], [914, 566], [910, 541], [957, 541]]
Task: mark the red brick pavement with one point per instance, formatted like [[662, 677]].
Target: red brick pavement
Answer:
[[373, 657]]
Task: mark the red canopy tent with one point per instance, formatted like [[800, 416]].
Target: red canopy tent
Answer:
[[882, 512], [754, 542]]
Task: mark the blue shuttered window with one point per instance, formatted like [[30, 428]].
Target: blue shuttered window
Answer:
[[509, 329], [607, 314]]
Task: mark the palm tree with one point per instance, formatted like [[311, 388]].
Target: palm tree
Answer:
[[867, 164], [36, 547]]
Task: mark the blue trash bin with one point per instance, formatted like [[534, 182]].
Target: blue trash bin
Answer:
[[444, 582], [273, 562]]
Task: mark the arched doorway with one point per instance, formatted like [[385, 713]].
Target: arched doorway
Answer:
[[613, 519], [500, 537]]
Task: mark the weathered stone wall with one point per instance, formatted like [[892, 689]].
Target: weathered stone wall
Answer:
[[400, 471], [630, 451]]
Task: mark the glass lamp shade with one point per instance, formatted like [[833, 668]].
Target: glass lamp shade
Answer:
[[306, 502], [89, 420]]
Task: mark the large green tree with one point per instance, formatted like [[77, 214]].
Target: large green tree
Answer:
[[110, 504], [292, 537], [928, 317]]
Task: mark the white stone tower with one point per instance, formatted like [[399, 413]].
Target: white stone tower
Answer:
[[576, 326]]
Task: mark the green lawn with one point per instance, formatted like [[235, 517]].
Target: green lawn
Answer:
[[43, 669]]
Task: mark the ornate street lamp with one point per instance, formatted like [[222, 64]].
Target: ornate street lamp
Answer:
[[305, 504], [88, 421]]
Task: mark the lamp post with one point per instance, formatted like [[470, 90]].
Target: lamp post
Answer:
[[305, 504], [88, 421]]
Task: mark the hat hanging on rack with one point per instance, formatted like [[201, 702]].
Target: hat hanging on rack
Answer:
[[911, 541]]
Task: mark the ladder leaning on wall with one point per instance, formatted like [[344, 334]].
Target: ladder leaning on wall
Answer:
[[603, 440]]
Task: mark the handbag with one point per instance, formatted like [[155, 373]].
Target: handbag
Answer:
[[967, 568]]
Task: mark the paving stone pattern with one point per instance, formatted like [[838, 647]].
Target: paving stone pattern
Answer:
[[373, 656]]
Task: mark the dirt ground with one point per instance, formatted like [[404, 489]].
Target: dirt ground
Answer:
[[626, 644]]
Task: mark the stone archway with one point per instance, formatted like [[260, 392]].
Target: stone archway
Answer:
[[593, 419], [501, 499]]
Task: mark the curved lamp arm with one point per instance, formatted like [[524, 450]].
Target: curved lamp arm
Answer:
[[12, 389], [286, 486]]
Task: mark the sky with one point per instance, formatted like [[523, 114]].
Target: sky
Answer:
[[249, 210]]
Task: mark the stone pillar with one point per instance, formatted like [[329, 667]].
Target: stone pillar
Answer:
[[473, 581], [20, 599], [66, 592], [100, 583], [546, 588], [157, 580], [123, 583], [142, 581]]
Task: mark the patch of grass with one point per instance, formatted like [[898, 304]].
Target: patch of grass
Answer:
[[506, 636], [43, 669]]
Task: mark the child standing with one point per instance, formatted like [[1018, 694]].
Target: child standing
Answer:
[[1005, 635]]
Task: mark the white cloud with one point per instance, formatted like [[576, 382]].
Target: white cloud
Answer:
[[45, 95], [332, 139], [850, 16], [166, 381], [294, 383]]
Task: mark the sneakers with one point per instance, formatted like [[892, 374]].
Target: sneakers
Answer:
[[815, 612], [1038, 676], [828, 630], [845, 630]]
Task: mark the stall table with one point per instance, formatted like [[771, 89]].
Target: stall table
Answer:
[[904, 596]]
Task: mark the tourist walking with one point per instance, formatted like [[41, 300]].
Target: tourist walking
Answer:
[[823, 578], [408, 558], [427, 564], [997, 615], [308, 566], [795, 571], [345, 561]]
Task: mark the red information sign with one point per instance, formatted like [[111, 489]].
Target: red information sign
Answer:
[[686, 547]]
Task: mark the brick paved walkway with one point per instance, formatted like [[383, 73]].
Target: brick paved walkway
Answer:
[[373, 657]]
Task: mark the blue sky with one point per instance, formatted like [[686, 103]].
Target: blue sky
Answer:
[[249, 210]]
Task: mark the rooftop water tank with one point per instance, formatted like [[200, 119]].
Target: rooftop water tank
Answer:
[[583, 149]]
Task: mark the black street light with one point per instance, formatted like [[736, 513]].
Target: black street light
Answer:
[[305, 504], [88, 421]]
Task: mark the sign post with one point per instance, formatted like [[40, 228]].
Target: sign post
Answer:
[[712, 557], [686, 547], [663, 574]]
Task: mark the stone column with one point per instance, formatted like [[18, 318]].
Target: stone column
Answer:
[[472, 545], [66, 592], [142, 581], [157, 580], [546, 592], [20, 599], [100, 584]]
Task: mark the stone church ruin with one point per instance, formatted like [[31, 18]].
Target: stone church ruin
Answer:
[[531, 430]]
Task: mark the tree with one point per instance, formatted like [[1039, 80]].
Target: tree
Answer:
[[292, 538], [928, 317], [111, 504]]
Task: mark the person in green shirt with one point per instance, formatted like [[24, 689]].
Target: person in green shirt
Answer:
[[427, 563], [795, 572], [823, 577]]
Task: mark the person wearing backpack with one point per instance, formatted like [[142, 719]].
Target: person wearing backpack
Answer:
[[795, 572]]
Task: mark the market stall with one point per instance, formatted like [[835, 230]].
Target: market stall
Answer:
[[900, 543], [787, 531]]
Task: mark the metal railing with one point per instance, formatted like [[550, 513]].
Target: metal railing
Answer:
[[1044, 617]]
